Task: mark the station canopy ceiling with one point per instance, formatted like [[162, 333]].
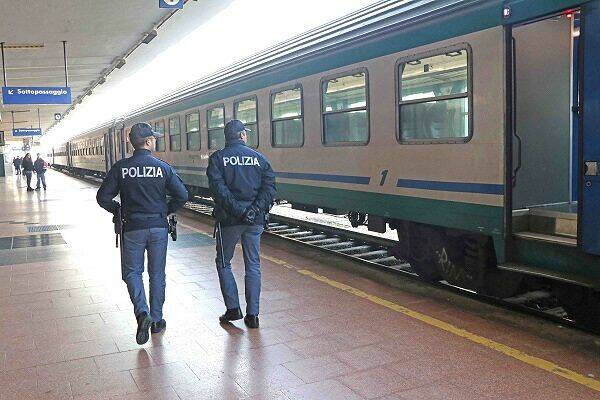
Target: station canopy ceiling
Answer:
[[98, 35]]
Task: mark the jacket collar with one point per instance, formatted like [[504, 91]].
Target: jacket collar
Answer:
[[235, 142], [140, 152]]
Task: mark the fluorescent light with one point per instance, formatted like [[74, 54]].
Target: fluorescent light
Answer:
[[149, 36]]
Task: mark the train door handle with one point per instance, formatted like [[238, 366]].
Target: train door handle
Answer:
[[590, 168]]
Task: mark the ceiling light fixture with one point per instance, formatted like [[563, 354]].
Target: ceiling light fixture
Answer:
[[120, 63], [150, 36], [23, 46]]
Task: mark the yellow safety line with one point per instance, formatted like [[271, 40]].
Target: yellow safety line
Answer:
[[491, 344]]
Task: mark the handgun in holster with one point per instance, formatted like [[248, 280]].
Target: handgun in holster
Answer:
[[173, 227], [118, 222]]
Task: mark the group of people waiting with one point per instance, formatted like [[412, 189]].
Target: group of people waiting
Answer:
[[30, 167]]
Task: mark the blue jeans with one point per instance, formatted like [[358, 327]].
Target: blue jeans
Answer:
[[230, 236], [41, 176], [28, 176], [135, 243]]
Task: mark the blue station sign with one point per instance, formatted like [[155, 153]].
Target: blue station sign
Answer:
[[170, 4], [36, 95], [26, 132]]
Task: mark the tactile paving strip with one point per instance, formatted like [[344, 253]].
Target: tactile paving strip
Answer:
[[47, 228], [19, 242]]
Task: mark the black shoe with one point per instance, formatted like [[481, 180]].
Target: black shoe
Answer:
[[231, 315], [30, 189], [144, 321], [157, 327], [251, 321], [44, 187]]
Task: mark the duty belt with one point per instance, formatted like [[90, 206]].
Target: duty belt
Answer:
[[133, 216]]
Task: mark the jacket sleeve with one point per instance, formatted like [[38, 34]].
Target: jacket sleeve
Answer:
[[267, 190], [219, 190], [176, 189], [108, 191]]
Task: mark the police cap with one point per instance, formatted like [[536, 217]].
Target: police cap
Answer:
[[233, 129], [142, 130]]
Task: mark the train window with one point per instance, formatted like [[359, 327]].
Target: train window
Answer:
[[192, 127], [434, 97], [287, 123], [345, 109], [215, 120], [246, 111], [175, 134], [160, 142]]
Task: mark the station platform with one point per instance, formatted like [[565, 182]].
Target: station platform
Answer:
[[329, 329]]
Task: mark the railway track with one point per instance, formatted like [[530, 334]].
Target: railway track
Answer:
[[378, 252]]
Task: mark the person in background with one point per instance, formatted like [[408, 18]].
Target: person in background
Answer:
[[27, 166], [39, 166], [17, 163]]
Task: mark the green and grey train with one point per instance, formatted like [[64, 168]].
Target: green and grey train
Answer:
[[472, 127]]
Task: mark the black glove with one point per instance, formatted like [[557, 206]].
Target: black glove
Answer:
[[250, 215]]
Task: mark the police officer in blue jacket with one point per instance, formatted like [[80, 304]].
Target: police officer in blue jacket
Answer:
[[143, 182], [242, 184]]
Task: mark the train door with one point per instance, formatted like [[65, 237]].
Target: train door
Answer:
[[116, 144], [590, 123], [68, 149], [121, 138], [107, 153], [544, 135], [110, 147]]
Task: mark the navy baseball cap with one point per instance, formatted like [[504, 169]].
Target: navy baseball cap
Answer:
[[233, 129], [142, 130]]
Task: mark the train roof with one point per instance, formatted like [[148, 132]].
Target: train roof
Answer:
[[393, 25]]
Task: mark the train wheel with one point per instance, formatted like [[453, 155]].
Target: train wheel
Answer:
[[422, 244], [469, 262]]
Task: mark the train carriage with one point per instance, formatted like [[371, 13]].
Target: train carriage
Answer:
[[469, 126]]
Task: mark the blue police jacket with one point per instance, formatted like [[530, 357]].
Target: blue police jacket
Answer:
[[240, 177], [143, 182]]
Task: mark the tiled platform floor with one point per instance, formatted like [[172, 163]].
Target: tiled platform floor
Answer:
[[67, 329]]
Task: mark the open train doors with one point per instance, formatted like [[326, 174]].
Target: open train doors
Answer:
[[589, 85], [554, 112]]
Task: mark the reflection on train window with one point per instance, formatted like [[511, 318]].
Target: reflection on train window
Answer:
[[174, 134], [215, 120], [345, 118], [160, 142], [245, 111], [287, 123], [192, 127], [434, 97]]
